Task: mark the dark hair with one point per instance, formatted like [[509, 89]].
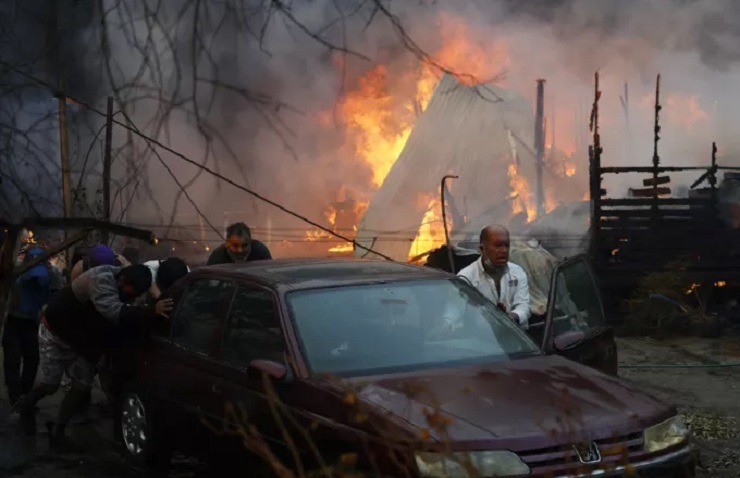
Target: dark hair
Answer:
[[239, 229], [138, 275], [170, 270]]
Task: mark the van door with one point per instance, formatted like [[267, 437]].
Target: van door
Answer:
[[575, 325]]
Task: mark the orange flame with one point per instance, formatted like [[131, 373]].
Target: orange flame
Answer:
[[379, 134], [346, 247], [379, 113], [431, 233], [521, 196]]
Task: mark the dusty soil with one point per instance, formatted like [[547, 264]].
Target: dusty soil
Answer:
[[707, 396]]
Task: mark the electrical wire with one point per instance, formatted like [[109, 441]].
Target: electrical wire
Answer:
[[57, 93]]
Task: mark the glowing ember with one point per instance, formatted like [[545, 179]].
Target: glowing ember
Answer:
[[692, 288], [317, 235], [720, 283], [570, 169], [346, 247]]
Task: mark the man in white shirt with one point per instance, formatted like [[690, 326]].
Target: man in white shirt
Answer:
[[502, 282]]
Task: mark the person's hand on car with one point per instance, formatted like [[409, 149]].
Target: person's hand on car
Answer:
[[163, 307]]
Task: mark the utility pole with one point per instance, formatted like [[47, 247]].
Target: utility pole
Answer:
[[539, 144], [106, 168]]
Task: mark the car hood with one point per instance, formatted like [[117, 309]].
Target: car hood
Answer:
[[539, 401]]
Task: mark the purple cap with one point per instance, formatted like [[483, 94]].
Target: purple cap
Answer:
[[101, 255]]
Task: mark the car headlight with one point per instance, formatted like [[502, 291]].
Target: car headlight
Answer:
[[476, 463], [663, 435]]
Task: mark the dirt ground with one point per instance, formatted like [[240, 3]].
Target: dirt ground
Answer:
[[707, 396]]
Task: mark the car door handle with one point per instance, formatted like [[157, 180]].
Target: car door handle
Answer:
[[216, 389]]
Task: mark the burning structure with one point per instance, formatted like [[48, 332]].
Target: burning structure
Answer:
[[484, 135]]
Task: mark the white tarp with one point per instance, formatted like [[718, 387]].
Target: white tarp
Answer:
[[466, 131]]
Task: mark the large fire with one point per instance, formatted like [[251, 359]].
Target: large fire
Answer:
[[380, 111], [431, 232]]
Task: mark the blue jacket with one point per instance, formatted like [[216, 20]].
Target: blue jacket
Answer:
[[33, 287]]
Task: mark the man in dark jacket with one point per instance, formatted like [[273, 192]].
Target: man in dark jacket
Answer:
[[29, 294], [75, 330], [239, 247]]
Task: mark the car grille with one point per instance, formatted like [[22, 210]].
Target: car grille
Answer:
[[563, 460]]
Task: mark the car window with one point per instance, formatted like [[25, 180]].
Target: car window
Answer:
[[402, 326], [199, 321], [253, 329], [577, 303]]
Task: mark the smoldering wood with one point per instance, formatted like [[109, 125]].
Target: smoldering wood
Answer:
[[632, 236]]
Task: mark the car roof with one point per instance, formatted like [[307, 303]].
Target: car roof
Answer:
[[322, 272]]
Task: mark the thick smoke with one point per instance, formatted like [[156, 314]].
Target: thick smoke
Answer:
[[242, 88]]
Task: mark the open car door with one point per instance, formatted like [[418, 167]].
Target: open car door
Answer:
[[575, 325]]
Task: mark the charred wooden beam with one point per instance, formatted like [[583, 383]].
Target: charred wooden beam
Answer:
[[656, 138], [656, 181], [539, 144], [648, 192], [595, 169], [661, 169], [662, 213], [661, 202]]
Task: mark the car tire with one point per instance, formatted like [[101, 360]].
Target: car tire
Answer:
[[140, 430]]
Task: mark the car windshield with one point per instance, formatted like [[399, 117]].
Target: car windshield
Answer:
[[402, 326]]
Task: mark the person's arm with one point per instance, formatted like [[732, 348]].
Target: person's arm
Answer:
[[215, 257], [259, 251], [77, 270], [520, 305], [122, 260], [105, 297]]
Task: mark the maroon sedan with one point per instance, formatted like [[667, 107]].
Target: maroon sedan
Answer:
[[392, 370]]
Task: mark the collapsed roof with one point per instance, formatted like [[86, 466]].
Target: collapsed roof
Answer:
[[469, 131]]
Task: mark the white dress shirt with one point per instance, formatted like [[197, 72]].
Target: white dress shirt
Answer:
[[514, 288]]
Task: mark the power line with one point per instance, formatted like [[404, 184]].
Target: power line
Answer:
[[57, 93]]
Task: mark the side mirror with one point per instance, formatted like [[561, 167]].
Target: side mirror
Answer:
[[568, 340], [274, 370]]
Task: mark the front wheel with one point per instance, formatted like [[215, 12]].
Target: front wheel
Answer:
[[140, 431]]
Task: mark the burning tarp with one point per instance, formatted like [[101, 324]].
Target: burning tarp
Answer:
[[470, 131]]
